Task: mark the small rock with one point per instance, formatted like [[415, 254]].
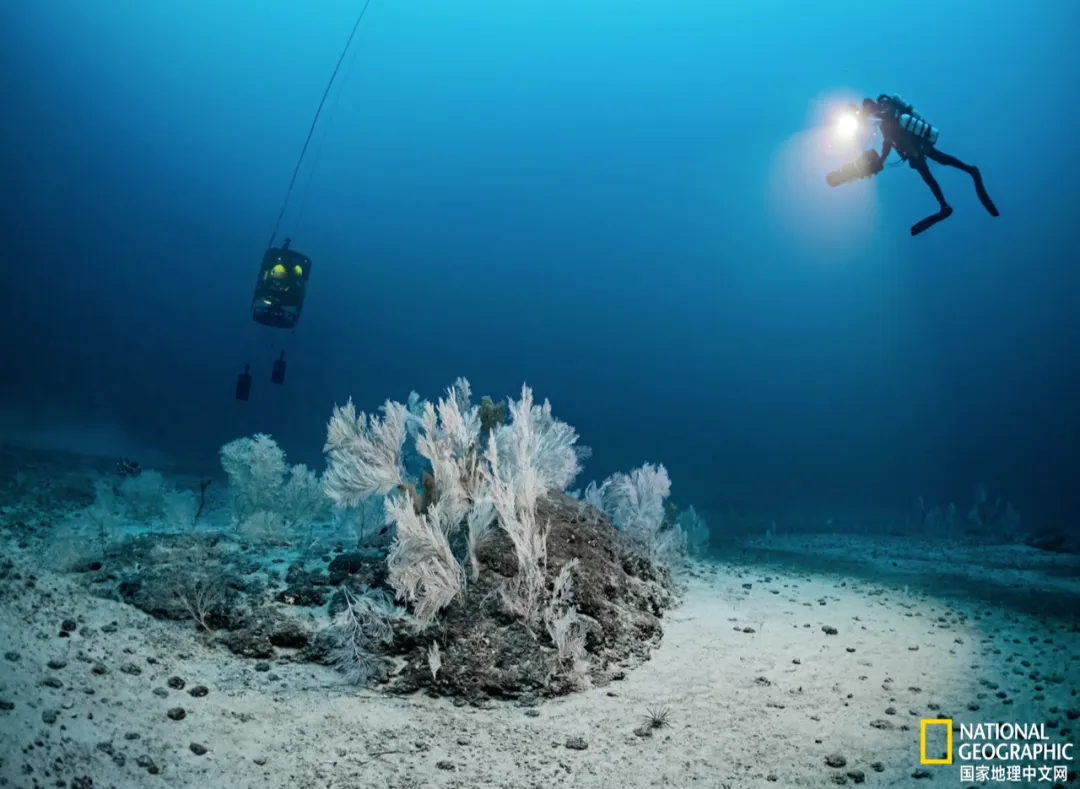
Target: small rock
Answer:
[[577, 744], [52, 682], [921, 773], [14, 657], [198, 691], [176, 683], [829, 630], [262, 666], [148, 764], [197, 749], [56, 665], [50, 716], [70, 625], [445, 764], [130, 668], [99, 669], [161, 693], [6, 706], [176, 713], [835, 760]]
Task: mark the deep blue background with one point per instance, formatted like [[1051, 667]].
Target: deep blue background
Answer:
[[620, 202]]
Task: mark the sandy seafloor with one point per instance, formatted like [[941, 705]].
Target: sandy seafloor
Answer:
[[759, 693]]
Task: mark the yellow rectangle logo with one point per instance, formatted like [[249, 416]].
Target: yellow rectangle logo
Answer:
[[947, 723]]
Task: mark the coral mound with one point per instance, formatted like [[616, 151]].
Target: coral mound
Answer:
[[619, 594]]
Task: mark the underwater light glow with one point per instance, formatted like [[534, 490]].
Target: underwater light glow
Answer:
[[847, 125]]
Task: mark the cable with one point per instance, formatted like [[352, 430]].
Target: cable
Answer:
[[315, 120], [305, 192]]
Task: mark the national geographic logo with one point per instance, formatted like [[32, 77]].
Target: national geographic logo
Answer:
[[997, 751], [923, 724]]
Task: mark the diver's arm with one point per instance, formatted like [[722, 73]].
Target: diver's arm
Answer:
[[886, 149]]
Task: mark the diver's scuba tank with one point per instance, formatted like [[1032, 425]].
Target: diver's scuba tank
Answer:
[[915, 125], [867, 165], [908, 119]]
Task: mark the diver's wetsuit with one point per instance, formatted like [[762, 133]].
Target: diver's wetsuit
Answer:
[[916, 151]]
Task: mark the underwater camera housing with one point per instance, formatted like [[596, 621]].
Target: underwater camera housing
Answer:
[[867, 165], [280, 288]]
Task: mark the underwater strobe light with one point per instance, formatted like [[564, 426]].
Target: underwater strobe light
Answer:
[[847, 125], [849, 121]]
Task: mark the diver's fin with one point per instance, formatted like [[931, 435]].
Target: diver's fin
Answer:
[[925, 224], [984, 198]]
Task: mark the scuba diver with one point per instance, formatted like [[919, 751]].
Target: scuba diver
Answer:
[[915, 140]]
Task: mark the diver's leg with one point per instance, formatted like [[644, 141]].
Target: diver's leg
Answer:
[[951, 161], [919, 164]]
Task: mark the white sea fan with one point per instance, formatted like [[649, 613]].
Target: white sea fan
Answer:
[[515, 485], [255, 467], [361, 630], [363, 453], [549, 446], [303, 499], [636, 500], [422, 566], [561, 617], [635, 504]]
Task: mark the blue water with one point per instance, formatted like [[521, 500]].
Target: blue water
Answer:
[[621, 203]]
